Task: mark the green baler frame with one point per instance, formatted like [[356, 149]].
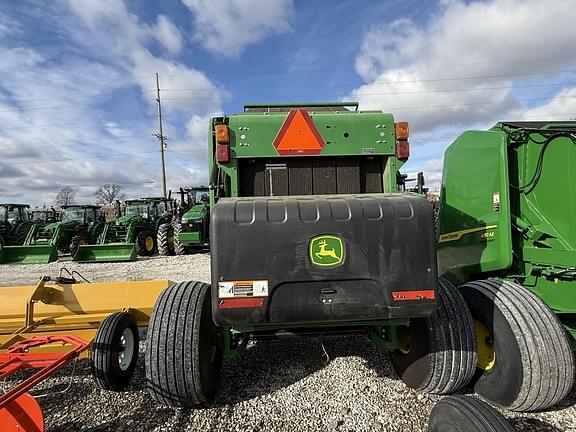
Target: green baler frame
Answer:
[[349, 133], [508, 210]]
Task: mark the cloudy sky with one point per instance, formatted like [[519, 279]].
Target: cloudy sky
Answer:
[[77, 77]]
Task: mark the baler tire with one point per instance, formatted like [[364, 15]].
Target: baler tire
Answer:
[[533, 363], [183, 350], [75, 242], [163, 239], [142, 238], [179, 248], [441, 355], [465, 413], [115, 351]]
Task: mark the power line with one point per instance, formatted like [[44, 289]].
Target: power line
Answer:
[[127, 155]]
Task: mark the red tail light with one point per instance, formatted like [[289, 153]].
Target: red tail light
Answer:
[[402, 150], [222, 153]]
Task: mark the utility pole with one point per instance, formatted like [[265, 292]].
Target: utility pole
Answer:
[[161, 137]]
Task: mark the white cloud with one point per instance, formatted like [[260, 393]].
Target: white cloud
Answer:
[[561, 107], [227, 28], [53, 129], [410, 69], [168, 35]]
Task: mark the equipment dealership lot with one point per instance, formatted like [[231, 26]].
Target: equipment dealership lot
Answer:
[[337, 383]]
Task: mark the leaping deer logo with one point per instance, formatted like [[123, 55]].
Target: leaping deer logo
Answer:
[[327, 250]]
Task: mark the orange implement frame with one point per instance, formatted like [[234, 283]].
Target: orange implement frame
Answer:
[[17, 410]]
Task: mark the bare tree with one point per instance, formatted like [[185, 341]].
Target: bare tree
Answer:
[[108, 193], [65, 196]]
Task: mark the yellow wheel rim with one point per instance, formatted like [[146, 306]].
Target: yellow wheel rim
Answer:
[[485, 347], [149, 244], [404, 340], [82, 242], [170, 241]]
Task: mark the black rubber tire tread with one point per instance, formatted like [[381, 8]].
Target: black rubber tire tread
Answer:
[[547, 361], [447, 359], [104, 359], [179, 248], [141, 243], [465, 413], [164, 232], [175, 373], [75, 243], [21, 232]]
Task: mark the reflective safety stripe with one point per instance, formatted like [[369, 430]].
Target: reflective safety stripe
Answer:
[[414, 295], [241, 303]]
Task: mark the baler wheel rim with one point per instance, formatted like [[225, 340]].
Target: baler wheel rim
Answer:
[[484, 346]]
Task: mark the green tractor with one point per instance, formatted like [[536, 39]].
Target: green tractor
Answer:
[[132, 234], [15, 224], [190, 229], [44, 216], [311, 235], [78, 224], [507, 238]]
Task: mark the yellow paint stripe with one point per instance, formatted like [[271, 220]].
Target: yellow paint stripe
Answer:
[[457, 235]]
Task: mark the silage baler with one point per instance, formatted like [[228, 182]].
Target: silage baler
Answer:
[[507, 236], [78, 224], [311, 235], [131, 234]]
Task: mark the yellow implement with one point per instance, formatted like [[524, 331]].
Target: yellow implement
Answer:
[[63, 308]]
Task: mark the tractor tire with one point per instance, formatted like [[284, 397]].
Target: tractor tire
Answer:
[[165, 239], [97, 232], [179, 248], [145, 243], [524, 356], [21, 232], [75, 242], [183, 353], [464, 413], [115, 351], [437, 354]]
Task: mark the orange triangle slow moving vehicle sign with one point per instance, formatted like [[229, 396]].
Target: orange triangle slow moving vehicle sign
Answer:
[[298, 135]]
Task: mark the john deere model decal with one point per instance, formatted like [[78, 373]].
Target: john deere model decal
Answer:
[[327, 251]]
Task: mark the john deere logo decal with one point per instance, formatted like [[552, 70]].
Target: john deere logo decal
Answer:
[[327, 251]]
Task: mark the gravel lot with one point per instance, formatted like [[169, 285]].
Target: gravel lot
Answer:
[[337, 383]]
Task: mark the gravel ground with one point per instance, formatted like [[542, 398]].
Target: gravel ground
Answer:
[[337, 383]]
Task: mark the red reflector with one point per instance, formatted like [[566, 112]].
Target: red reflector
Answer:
[[402, 150], [222, 153], [298, 135], [245, 302], [414, 295]]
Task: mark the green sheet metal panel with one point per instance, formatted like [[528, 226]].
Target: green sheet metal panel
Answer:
[[474, 231], [345, 133]]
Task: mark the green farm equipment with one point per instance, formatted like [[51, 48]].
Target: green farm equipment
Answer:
[[311, 235], [131, 234], [78, 224], [15, 224], [190, 229], [44, 215], [507, 237]]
